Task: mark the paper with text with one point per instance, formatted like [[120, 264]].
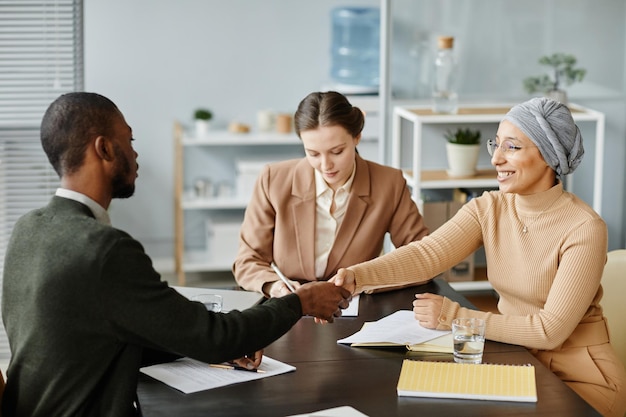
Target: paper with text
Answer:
[[189, 375], [400, 328]]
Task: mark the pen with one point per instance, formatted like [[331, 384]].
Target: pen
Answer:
[[282, 277], [235, 367]]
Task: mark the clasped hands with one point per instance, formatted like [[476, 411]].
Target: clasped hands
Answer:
[[320, 299]]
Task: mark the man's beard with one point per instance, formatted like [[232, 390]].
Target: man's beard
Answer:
[[121, 186], [121, 189]]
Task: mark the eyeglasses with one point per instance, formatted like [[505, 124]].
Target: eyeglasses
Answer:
[[507, 147]]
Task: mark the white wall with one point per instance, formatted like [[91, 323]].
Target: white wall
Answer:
[[158, 60]]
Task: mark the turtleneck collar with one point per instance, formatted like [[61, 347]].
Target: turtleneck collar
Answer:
[[538, 202]]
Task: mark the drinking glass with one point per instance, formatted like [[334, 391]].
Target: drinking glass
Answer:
[[469, 339], [212, 302]]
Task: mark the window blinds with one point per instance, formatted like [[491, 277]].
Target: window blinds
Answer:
[[41, 57]]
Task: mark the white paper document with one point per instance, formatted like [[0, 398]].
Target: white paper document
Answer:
[[345, 411], [189, 375], [400, 328], [353, 308]]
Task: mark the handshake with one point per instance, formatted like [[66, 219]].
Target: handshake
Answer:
[[325, 300]]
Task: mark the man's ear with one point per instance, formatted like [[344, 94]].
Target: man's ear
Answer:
[[104, 148]]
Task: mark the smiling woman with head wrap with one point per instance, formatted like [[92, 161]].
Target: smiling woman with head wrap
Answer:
[[545, 250], [549, 124]]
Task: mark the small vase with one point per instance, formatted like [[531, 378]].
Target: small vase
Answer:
[[202, 128], [462, 159]]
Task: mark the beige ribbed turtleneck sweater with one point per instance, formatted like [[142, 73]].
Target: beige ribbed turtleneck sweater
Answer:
[[548, 278]]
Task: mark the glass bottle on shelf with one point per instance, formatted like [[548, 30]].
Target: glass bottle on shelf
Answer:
[[444, 93], [420, 64]]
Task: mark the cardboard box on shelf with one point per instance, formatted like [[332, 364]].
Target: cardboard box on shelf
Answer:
[[463, 271], [247, 173], [437, 213], [222, 239]]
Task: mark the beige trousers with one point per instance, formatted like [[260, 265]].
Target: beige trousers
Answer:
[[588, 364]]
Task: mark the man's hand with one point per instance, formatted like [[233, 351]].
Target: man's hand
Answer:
[[323, 299], [251, 361], [427, 309], [344, 278]]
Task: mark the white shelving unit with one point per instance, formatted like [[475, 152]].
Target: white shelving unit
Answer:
[[420, 117], [215, 157]]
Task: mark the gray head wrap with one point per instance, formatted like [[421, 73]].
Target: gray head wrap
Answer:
[[549, 124]]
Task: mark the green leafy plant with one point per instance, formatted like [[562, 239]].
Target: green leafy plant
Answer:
[[462, 136], [563, 73], [203, 114]]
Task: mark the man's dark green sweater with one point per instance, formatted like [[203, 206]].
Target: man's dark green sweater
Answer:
[[83, 309]]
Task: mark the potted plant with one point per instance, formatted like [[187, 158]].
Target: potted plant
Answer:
[[202, 117], [562, 73], [463, 149]]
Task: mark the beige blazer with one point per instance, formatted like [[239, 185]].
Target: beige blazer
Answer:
[[279, 223]]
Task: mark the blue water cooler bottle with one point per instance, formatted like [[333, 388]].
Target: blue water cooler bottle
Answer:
[[355, 49]]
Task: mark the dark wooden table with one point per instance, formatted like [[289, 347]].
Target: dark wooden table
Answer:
[[331, 375]]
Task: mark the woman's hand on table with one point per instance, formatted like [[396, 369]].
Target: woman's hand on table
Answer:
[[427, 309]]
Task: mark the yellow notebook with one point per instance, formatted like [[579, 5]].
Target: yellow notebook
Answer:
[[469, 381]]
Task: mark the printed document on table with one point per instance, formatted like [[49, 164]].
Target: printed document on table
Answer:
[[345, 411], [400, 328], [189, 375]]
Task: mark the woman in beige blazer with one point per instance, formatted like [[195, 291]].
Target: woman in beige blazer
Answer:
[[328, 210]]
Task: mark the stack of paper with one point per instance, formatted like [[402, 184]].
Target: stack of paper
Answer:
[[401, 329], [189, 375]]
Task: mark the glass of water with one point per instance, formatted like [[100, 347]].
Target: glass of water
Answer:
[[469, 340], [212, 302]]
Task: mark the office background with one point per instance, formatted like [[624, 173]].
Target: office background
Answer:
[[160, 60]]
